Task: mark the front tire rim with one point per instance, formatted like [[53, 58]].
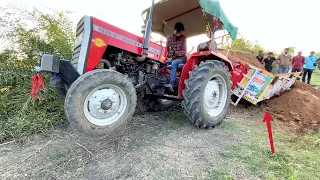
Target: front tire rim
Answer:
[[215, 95], [105, 105]]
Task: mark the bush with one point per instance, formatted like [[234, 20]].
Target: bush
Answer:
[[20, 115]]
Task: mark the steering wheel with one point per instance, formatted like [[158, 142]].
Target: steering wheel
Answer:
[[171, 51]]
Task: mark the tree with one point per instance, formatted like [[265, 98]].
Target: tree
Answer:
[[292, 50], [242, 44], [49, 33]]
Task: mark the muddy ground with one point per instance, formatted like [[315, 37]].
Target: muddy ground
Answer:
[[154, 146]]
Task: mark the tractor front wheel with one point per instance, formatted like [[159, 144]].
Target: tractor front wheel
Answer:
[[207, 94], [100, 101]]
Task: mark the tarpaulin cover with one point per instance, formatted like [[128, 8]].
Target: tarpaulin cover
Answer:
[[213, 7]]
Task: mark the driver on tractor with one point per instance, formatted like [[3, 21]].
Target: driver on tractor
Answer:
[[177, 43]]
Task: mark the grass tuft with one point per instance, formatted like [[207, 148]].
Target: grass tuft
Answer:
[[296, 156], [217, 174]]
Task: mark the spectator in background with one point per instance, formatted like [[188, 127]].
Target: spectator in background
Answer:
[[284, 60], [268, 62], [260, 57], [298, 62], [309, 66]]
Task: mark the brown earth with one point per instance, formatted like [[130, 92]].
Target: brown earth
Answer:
[[298, 107], [153, 146], [244, 56]]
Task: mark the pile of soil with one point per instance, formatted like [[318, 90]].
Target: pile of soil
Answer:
[[299, 106], [244, 56]]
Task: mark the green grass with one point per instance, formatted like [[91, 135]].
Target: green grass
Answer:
[[315, 79], [217, 174], [177, 119], [134, 144], [296, 156], [56, 156], [214, 174], [229, 126]]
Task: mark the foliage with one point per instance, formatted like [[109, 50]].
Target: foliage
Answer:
[[242, 44], [49, 33], [25, 34], [292, 50], [315, 80], [20, 115]]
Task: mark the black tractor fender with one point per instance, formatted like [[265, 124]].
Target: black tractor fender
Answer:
[[64, 68]]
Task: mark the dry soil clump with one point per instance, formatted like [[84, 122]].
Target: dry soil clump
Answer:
[[244, 56], [298, 107]]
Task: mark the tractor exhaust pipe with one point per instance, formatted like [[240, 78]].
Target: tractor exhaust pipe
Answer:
[[147, 35]]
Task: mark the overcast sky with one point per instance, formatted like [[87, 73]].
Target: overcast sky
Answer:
[[276, 24]]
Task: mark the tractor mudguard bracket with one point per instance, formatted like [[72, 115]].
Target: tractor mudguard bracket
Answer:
[[64, 68], [68, 73]]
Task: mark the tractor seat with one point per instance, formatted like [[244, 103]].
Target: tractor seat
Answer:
[[179, 68]]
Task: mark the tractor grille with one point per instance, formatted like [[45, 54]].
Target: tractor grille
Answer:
[[77, 48]]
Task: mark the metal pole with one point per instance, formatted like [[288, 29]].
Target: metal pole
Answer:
[[148, 30]]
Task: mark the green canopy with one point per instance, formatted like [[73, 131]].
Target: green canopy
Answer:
[[190, 12], [213, 7]]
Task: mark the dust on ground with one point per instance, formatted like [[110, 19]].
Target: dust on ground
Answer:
[[154, 146], [298, 107], [244, 56]]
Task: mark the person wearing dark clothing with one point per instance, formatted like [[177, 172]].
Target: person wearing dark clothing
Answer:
[[268, 62], [179, 43], [260, 57]]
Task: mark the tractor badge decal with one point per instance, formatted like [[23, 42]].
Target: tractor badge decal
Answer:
[[98, 42]]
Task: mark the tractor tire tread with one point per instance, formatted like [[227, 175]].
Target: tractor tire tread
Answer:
[[194, 90], [78, 91]]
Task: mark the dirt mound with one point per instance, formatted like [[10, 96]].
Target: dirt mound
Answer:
[[244, 56], [299, 106]]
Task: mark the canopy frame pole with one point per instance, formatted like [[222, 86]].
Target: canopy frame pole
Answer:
[[228, 44]]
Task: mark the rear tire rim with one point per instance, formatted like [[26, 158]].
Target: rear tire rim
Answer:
[[98, 113], [215, 95]]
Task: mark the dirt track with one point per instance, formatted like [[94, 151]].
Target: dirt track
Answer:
[[152, 147]]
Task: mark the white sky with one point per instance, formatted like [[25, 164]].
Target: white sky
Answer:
[[276, 24]]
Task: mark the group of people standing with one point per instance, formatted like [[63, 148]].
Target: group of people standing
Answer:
[[286, 62]]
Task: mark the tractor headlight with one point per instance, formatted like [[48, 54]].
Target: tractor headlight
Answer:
[[78, 40]]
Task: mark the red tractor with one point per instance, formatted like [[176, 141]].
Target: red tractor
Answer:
[[110, 67]]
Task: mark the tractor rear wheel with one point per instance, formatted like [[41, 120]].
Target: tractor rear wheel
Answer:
[[207, 94], [99, 102]]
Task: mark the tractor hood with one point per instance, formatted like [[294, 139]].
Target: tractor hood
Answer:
[[190, 12]]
